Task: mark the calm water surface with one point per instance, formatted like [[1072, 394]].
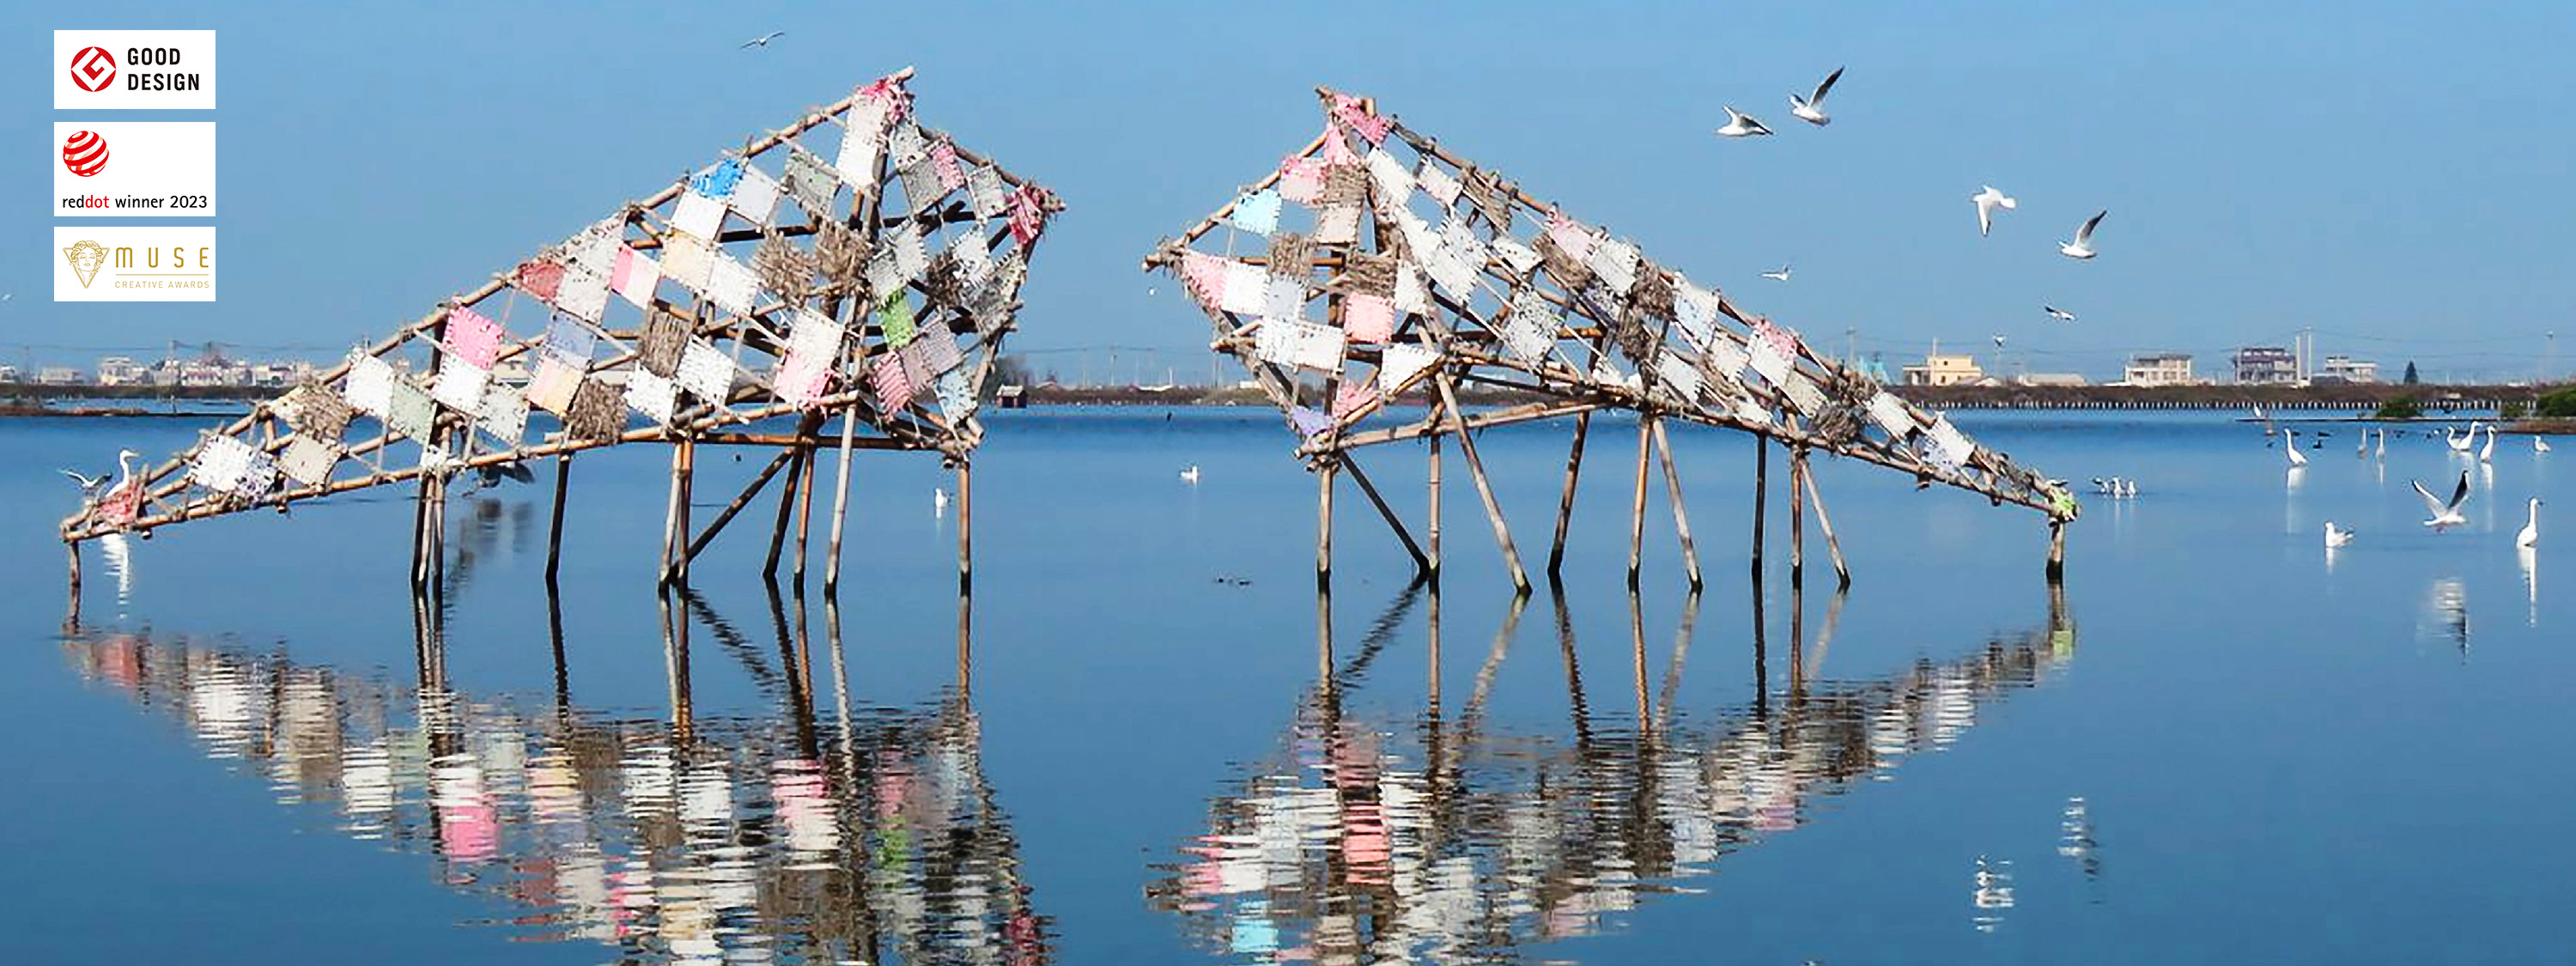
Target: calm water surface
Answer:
[[2218, 742]]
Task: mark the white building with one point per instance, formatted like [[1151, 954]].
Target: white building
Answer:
[[2348, 369], [120, 371], [2159, 369], [1941, 370]]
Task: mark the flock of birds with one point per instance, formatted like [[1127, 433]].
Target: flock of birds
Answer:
[[1989, 202], [2441, 513]]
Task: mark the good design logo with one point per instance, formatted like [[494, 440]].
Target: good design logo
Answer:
[[85, 153], [93, 68]]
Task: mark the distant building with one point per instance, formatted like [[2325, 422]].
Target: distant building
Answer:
[[1941, 370], [119, 371], [8, 373], [58, 376], [2159, 369], [2049, 379], [2266, 365], [2349, 370]]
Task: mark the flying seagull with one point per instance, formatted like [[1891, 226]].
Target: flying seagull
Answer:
[[2082, 246], [763, 41], [2445, 515], [1987, 201], [1999, 340], [1739, 124], [1811, 108], [1779, 276], [90, 486], [2059, 314]]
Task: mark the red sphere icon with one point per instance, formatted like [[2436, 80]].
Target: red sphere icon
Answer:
[[85, 153], [93, 68]]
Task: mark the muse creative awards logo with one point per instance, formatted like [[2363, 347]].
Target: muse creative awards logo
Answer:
[[85, 256], [85, 153], [93, 68]]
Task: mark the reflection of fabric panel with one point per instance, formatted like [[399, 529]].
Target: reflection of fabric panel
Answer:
[[658, 348], [460, 386], [308, 460], [755, 197], [886, 377], [634, 276], [1247, 288], [894, 317], [1301, 179], [370, 386], [956, 396], [698, 215], [410, 411], [1531, 329], [811, 182], [598, 412], [472, 337], [1398, 364], [706, 371], [504, 414], [687, 259], [1257, 212], [732, 285], [1368, 318], [552, 388], [584, 296], [654, 396]]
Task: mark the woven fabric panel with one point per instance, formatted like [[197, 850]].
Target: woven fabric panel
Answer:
[[707, 372], [460, 386], [658, 348], [504, 415], [308, 460], [655, 397], [634, 276], [598, 411]]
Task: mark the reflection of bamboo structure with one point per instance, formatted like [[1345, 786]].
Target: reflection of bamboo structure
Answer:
[[728, 839], [851, 264], [1451, 843], [1402, 270]]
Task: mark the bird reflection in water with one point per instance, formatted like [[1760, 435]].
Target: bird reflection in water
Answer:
[[1445, 840], [2529, 559], [2446, 608], [733, 839]]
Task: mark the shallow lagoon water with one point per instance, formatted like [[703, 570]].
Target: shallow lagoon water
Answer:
[[2218, 742]]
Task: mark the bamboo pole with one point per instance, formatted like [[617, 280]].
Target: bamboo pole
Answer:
[[786, 512], [1833, 547], [804, 516], [965, 531], [1433, 536], [840, 504], [2056, 551], [1484, 488], [71, 618], [740, 501], [674, 514], [1421, 563], [1324, 523], [1797, 518], [1565, 503], [1637, 505], [1761, 483], [1681, 517], [554, 520]]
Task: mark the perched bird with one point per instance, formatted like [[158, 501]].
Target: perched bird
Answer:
[[763, 41], [1987, 201], [2445, 515], [2082, 247], [1739, 125], [2297, 459], [2059, 314], [1779, 276], [1811, 109], [2530, 535], [2486, 454], [1191, 475], [2539, 445], [2336, 536]]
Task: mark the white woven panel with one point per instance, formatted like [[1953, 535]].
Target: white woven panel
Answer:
[[706, 371], [732, 285], [1616, 264], [505, 414], [1317, 346], [370, 386], [1769, 363], [857, 161], [986, 191], [309, 460], [814, 334], [651, 395], [1946, 446], [219, 464], [1394, 182], [687, 259], [1437, 183], [1892, 414], [1804, 395], [584, 295], [460, 386], [1680, 377], [1400, 363], [956, 396], [974, 262], [1247, 289], [698, 215], [1283, 298], [1531, 328], [755, 197], [1516, 256], [1410, 295]]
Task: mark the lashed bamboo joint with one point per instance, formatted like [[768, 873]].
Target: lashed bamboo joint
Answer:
[[853, 263], [1374, 263]]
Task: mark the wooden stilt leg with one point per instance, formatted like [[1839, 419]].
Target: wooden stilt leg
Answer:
[[1797, 519], [1324, 523], [965, 530], [840, 505], [672, 512], [804, 515], [1673, 495], [1637, 503], [71, 618], [1833, 547], [1565, 503], [554, 520], [1484, 488], [2056, 551], [1433, 536], [1761, 483], [786, 512], [1421, 563]]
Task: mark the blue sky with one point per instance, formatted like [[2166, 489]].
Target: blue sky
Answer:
[[2392, 175]]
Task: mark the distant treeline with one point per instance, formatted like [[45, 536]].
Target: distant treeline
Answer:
[[2364, 397]]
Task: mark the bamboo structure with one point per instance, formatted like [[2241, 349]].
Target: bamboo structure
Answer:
[[852, 263], [1375, 264]]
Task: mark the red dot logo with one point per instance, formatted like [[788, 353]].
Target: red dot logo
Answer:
[[85, 153], [93, 68]]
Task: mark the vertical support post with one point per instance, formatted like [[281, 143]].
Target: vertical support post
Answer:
[[71, 620], [1761, 671], [965, 529], [1434, 535], [804, 514], [1797, 518], [1673, 495], [1637, 503], [1761, 484], [554, 520], [840, 503], [2056, 551], [786, 510], [1565, 503], [1484, 487], [1833, 547], [671, 511], [1324, 521]]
